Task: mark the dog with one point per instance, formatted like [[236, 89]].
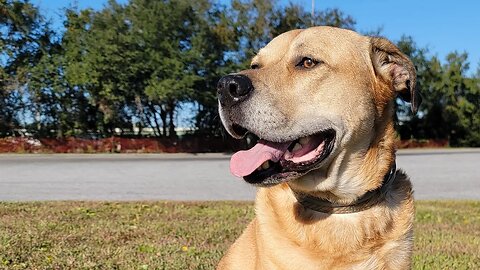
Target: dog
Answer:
[[321, 101]]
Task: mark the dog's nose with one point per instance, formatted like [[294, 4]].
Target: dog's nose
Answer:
[[234, 88]]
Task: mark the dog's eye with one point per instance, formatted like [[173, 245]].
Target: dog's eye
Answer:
[[254, 66], [307, 63]]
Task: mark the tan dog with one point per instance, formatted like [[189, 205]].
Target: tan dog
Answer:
[[321, 100]]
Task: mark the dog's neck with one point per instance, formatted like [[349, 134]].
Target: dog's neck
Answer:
[[364, 202], [380, 156], [367, 168]]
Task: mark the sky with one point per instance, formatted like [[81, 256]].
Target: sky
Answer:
[[440, 26]]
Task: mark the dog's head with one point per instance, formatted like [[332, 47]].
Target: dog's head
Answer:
[[315, 98]]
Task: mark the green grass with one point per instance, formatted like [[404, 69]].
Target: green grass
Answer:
[[168, 235], [447, 235]]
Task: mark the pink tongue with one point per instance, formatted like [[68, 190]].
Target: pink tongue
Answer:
[[246, 162]]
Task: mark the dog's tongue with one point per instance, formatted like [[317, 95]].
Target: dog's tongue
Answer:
[[246, 162]]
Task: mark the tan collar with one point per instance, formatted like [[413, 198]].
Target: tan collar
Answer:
[[364, 202]]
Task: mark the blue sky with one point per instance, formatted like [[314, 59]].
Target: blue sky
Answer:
[[441, 26]]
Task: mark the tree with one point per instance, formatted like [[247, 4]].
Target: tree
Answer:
[[23, 36], [138, 62], [61, 107], [99, 62], [461, 98], [215, 46], [450, 105], [166, 30]]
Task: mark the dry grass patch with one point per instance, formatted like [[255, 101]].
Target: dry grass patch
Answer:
[[174, 235]]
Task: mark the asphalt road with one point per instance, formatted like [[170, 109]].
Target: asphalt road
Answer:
[[436, 174]]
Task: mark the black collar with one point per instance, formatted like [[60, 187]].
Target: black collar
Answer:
[[366, 201]]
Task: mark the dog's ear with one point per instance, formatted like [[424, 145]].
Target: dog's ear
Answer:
[[395, 68]]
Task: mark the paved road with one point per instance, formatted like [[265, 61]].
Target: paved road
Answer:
[[437, 174]]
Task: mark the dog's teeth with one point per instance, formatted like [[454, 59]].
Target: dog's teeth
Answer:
[[297, 147], [265, 165], [304, 140]]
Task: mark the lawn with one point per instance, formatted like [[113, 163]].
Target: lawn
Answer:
[[173, 235]]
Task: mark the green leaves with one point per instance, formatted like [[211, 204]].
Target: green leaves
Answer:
[[23, 38], [450, 108]]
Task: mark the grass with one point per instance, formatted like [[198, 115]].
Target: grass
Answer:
[[169, 235]]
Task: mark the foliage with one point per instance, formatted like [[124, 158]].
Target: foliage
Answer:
[[23, 38], [132, 66], [450, 99]]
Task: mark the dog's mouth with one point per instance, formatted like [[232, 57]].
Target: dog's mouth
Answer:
[[268, 163]]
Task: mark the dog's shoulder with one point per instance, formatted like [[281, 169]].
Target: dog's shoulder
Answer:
[[402, 186], [242, 254]]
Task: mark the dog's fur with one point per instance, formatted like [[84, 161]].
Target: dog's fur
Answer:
[[352, 90]]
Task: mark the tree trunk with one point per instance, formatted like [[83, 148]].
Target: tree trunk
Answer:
[[171, 127], [163, 116], [156, 127]]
